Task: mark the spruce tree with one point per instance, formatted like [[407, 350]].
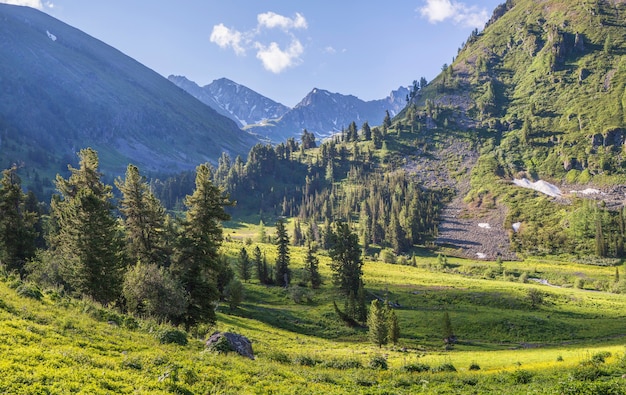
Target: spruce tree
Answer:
[[244, 264], [377, 323], [17, 224], [283, 273], [144, 220], [311, 266], [346, 261], [261, 270], [393, 327], [197, 264], [86, 237]]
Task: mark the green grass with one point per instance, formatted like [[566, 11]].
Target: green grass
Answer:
[[57, 345]]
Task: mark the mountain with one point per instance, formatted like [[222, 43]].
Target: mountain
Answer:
[[235, 101], [324, 113], [538, 98], [546, 83], [63, 90]]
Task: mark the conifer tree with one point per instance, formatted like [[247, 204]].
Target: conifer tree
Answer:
[[144, 220], [261, 269], [367, 131], [283, 273], [377, 323], [86, 237], [311, 267], [17, 223], [197, 263], [393, 326], [244, 264], [346, 259]]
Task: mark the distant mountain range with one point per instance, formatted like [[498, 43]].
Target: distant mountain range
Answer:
[[63, 90], [320, 112], [235, 101]]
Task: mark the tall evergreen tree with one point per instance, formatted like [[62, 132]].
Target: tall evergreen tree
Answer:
[[144, 219], [311, 267], [346, 259], [367, 131], [17, 223], [245, 265], [261, 266], [393, 327], [197, 263], [86, 237], [377, 323], [283, 273]]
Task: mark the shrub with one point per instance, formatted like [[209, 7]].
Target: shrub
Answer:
[[27, 290], [415, 368], [521, 376], [444, 367], [474, 366], [168, 336], [587, 372], [221, 346], [579, 283], [298, 294], [600, 357], [304, 360], [342, 364], [523, 278], [378, 362], [279, 356]]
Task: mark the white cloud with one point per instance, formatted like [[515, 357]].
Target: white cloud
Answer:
[[330, 50], [272, 20], [225, 37], [440, 10], [275, 59], [272, 56], [28, 3]]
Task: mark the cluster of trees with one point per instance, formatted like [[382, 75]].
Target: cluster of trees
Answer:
[[382, 323], [132, 254]]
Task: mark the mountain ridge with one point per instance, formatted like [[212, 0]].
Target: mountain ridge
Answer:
[[64, 90]]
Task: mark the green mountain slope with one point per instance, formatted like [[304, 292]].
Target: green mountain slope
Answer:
[[63, 90], [547, 81]]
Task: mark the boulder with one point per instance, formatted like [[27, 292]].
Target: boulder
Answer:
[[227, 341]]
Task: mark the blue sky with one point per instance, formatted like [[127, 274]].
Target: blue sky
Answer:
[[283, 48]]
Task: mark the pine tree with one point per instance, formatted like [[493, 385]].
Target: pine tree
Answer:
[[346, 259], [393, 326], [377, 323], [283, 273], [17, 224], [144, 220], [244, 264], [367, 131], [261, 273], [197, 263], [311, 266], [86, 236]]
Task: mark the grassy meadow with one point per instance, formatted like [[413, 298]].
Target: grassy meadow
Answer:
[[569, 341]]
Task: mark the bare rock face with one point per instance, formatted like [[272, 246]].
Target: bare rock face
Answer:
[[224, 342]]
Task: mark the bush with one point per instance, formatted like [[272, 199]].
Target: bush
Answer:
[[221, 346], [304, 360], [523, 278], [415, 368], [521, 376], [298, 294], [444, 367], [378, 362], [27, 290], [168, 336], [342, 364], [600, 357], [579, 283], [279, 356], [474, 366]]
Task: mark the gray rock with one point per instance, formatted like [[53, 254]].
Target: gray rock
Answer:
[[227, 341]]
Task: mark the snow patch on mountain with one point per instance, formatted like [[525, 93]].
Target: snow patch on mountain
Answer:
[[540, 186]]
